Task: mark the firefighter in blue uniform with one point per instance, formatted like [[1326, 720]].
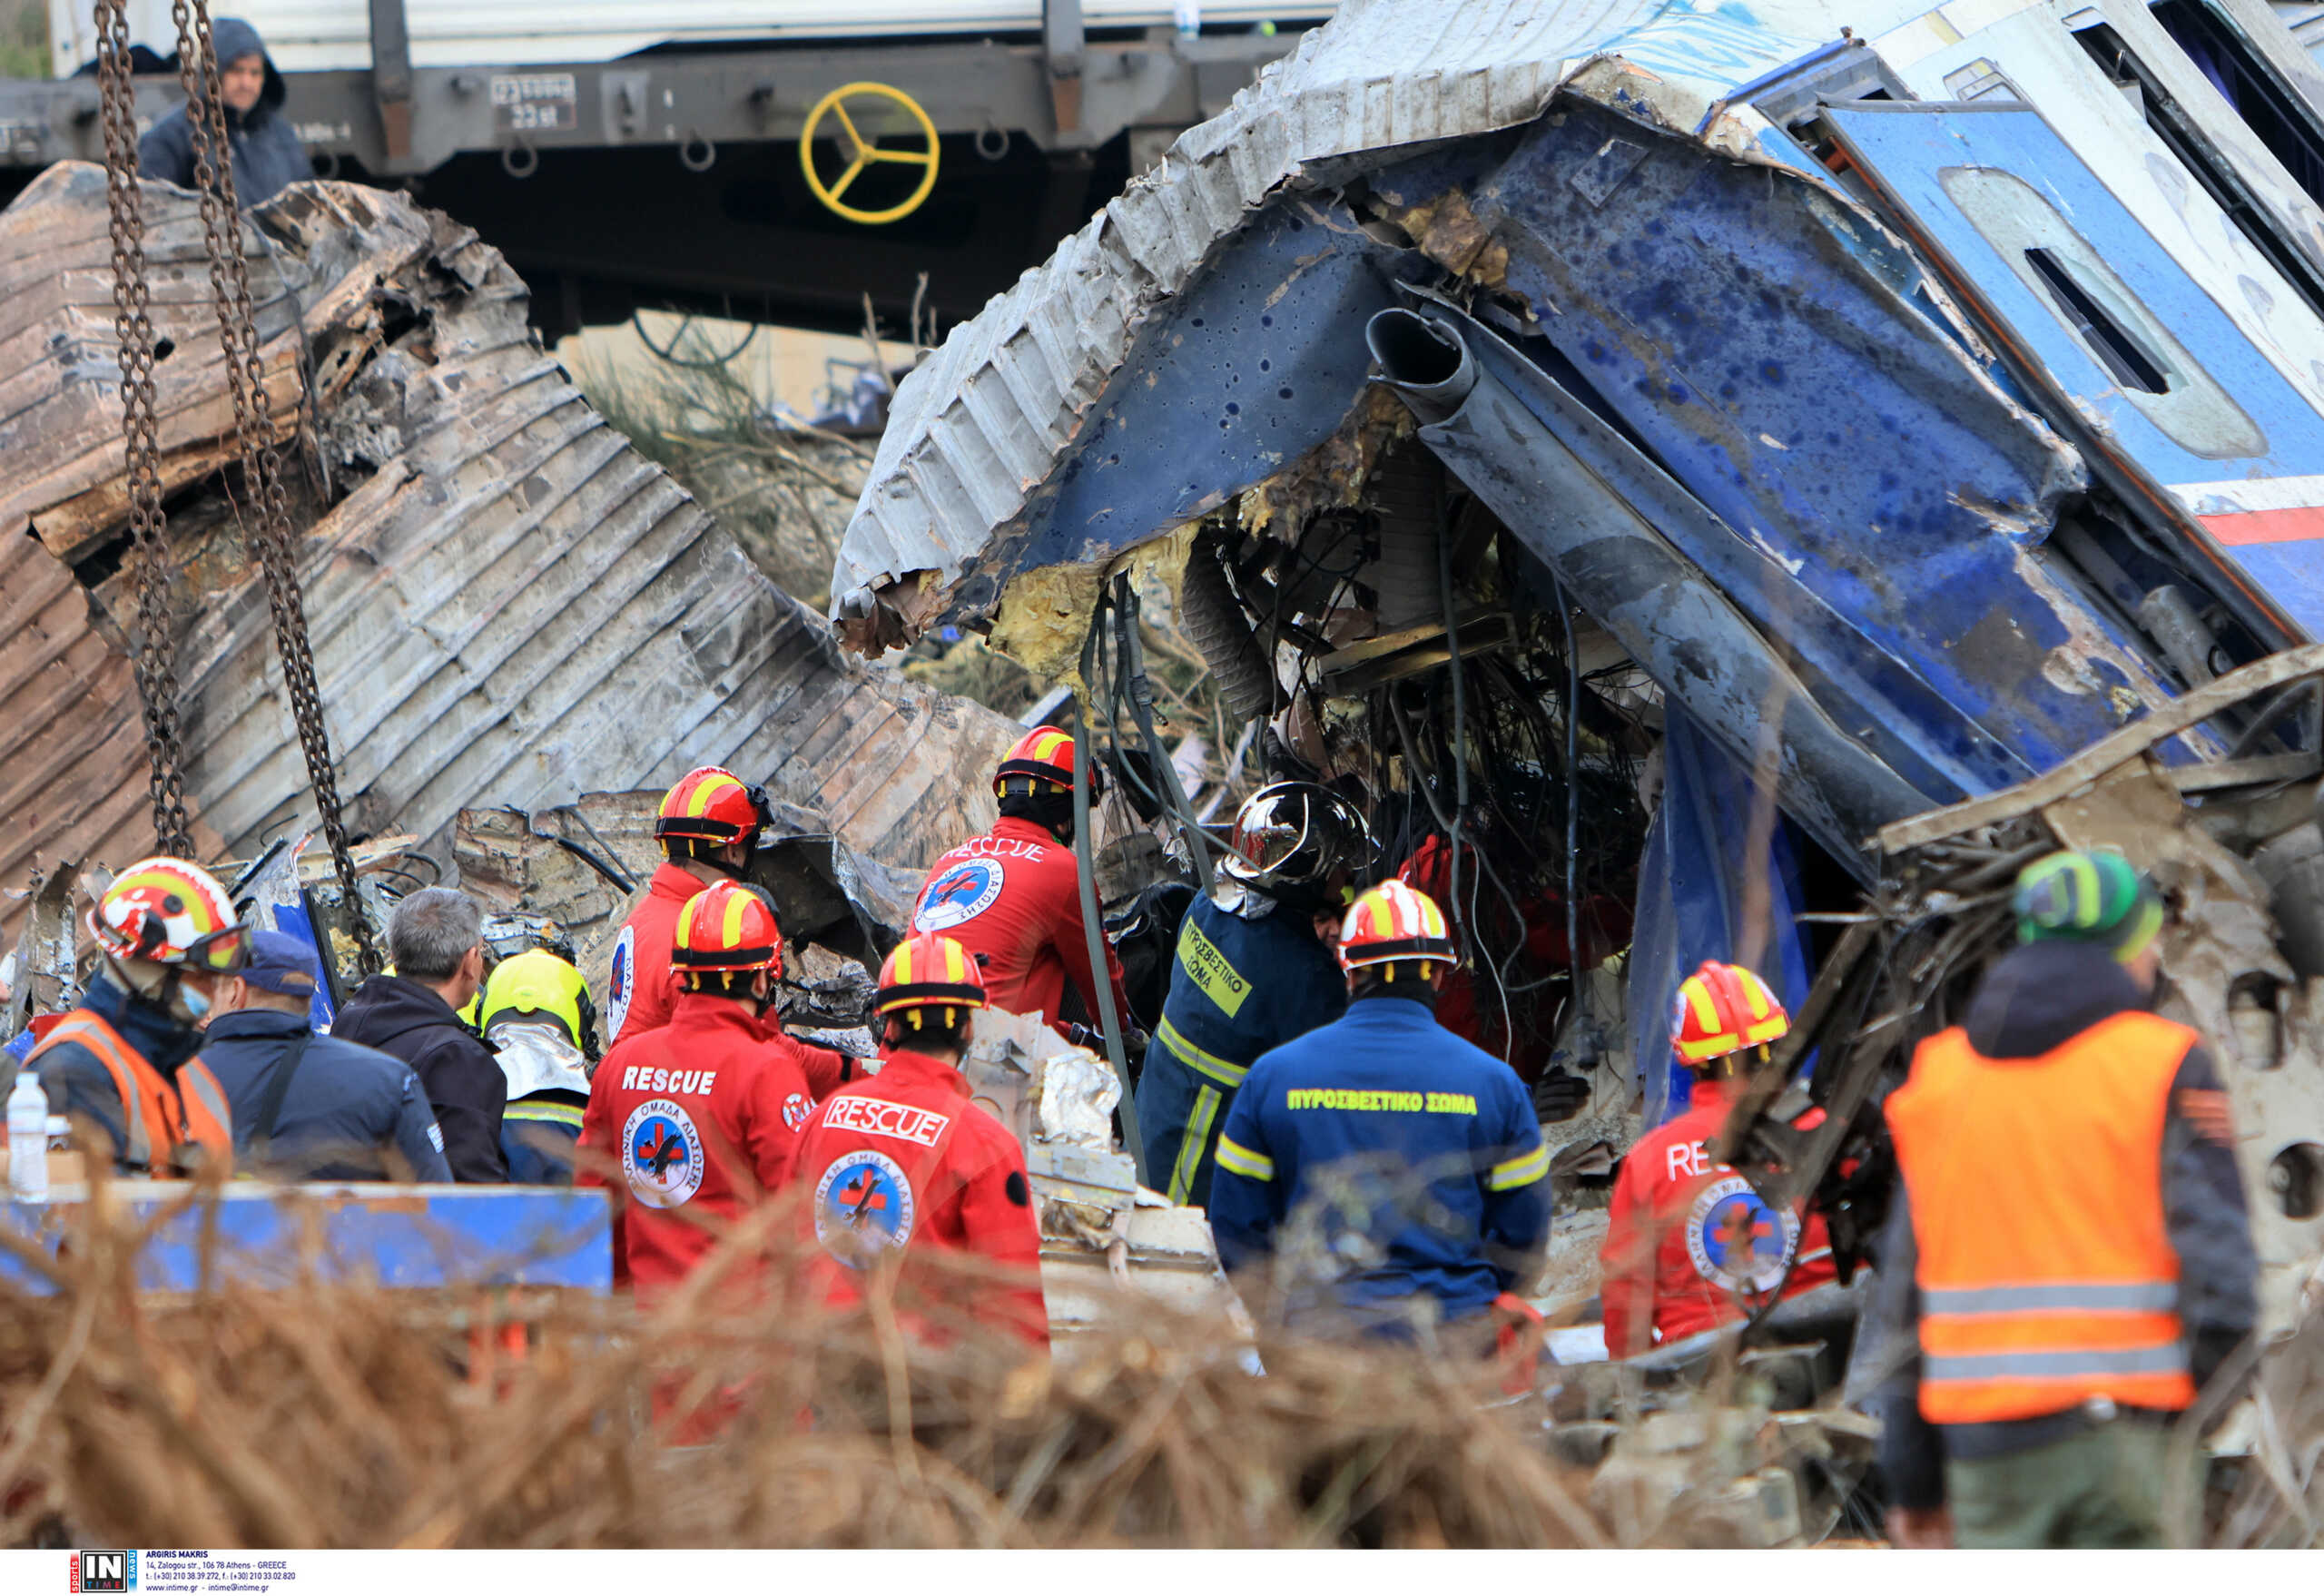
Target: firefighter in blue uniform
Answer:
[[1254, 971], [1394, 1173]]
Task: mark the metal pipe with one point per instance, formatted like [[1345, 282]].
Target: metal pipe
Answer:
[[1584, 499], [1141, 706], [1430, 365]]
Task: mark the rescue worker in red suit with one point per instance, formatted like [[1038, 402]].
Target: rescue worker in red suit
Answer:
[[903, 1166], [1012, 897], [702, 1115], [1689, 1246], [708, 826]]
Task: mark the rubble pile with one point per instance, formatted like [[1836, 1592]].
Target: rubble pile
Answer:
[[362, 1419]]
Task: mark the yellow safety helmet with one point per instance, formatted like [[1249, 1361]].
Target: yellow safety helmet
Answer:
[[538, 984]]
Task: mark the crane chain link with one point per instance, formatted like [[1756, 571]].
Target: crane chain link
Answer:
[[275, 541], [153, 655]]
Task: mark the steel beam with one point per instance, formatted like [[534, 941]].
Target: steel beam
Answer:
[[1064, 42], [391, 80]]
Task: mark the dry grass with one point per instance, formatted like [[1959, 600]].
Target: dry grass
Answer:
[[336, 1416]]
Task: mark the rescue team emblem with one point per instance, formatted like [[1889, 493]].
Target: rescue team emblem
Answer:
[[863, 1207], [621, 985], [878, 1116], [796, 1110], [662, 1153], [1738, 1243], [959, 895]]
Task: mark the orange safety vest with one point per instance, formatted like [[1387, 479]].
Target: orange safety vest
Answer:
[[2046, 1273], [157, 1113]]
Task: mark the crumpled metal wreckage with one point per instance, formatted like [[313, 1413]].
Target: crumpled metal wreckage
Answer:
[[1795, 426]]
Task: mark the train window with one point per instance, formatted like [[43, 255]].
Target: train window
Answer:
[[2150, 366], [2201, 158], [2270, 107]]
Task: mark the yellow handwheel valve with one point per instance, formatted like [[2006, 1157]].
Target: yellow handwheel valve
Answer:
[[867, 152]]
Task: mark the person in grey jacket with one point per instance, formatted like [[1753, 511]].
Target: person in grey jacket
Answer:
[[345, 1112], [268, 156]]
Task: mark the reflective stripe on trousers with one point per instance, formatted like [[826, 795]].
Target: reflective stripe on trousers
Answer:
[[1194, 1143]]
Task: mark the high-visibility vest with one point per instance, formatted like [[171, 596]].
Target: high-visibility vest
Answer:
[[158, 1116], [2046, 1272]]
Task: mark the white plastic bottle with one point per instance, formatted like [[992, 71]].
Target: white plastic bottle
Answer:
[[28, 1140]]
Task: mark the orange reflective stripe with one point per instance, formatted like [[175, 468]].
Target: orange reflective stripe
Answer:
[[100, 1039], [204, 1117], [2046, 1272]]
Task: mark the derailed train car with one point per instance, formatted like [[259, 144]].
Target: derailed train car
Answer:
[[1567, 423]]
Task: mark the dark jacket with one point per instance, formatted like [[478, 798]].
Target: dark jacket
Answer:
[[77, 1082], [1238, 988], [2035, 999], [345, 1104], [1415, 1155], [463, 1083], [268, 156]]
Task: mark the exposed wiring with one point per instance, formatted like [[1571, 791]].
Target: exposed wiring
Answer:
[[1572, 795]]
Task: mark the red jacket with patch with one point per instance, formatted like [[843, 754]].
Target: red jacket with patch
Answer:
[[1687, 1239], [905, 1162], [1012, 897], [643, 989], [702, 1115]]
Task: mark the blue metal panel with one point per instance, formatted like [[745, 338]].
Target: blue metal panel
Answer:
[[1735, 321], [1251, 367], [1924, 155], [405, 1237], [1693, 882]]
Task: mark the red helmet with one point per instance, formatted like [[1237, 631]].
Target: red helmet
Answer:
[[1393, 923], [169, 911], [712, 805], [1724, 1009], [929, 971], [1042, 758], [728, 926]]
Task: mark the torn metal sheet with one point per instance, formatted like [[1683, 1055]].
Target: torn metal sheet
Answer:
[[996, 408], [507, 605], [42, 971], [1910, 509]]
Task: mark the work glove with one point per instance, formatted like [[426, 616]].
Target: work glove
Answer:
[[1558, 1096]]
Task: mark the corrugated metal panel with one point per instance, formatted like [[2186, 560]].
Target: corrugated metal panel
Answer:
[[981, 423], [510, 606], [321, 35], [72, 751]]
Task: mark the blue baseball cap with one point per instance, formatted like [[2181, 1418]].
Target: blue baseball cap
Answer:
[[283, 964]]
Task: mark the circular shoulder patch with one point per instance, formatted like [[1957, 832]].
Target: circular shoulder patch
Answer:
[[959, 895], [863, 1207], [1737, 1242], [621, 984], [661, 1153]]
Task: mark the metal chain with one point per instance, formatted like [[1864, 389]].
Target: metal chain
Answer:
[[274, 540], [154, 655]]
